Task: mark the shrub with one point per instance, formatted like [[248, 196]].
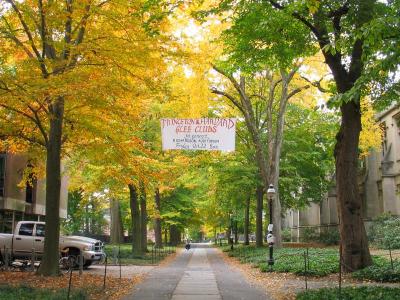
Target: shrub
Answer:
[[385, 232], [329, 237], [310, 235], [286, 235], [351, 293]]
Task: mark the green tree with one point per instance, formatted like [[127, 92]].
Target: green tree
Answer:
[[277, 32]]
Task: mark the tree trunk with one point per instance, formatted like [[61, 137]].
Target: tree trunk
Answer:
[[349, 204], [174, 234], [143, 217], [157, 220], [117, 231], [165, 235], [49, 265], [236, 232], [259, 211], [247, 221], [135, 216]]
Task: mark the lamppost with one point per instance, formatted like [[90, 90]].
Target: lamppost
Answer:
[[270, 237], [231, 225]]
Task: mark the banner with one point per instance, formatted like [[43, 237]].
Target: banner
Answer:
[[198, 134]]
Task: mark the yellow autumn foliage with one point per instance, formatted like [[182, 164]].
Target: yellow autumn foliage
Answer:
[[371, 134]]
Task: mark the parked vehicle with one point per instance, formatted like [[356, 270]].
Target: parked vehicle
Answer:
[[29, 238]]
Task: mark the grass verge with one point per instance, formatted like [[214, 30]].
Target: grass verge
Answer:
[[8, 292], [351, 293]]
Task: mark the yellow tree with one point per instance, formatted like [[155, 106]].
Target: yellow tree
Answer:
[[67, 68]]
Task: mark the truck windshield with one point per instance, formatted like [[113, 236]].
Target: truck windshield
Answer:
[[26, 229], [40, 229]]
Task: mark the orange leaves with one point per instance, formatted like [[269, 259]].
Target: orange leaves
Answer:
[[92, 284]]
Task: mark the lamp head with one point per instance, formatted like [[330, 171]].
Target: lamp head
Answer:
[[271, 191]]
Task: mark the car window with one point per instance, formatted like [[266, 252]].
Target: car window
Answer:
[[26, 229], [40, 229]]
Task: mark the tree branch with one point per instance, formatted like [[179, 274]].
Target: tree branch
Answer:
[[228, 96], [297, 90], [299, 17], [316, 84], [29, 35]]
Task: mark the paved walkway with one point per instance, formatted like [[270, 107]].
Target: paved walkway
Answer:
[[197, 274]]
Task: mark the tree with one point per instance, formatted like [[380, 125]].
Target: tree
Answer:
[[55, 58], [282, 31], [255, 96]]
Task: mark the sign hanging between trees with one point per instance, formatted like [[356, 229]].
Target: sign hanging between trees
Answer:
[[198, 134]]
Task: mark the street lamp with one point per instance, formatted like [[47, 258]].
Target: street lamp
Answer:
[[231, 225], [270, 237]]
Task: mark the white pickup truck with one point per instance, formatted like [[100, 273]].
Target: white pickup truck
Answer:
[[29, 237]]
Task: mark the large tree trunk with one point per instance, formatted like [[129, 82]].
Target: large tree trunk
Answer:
[[135, 215], [143, 217], [259, 211], [157, 220], [349, 204], [49, 265], [175, 235], [247, 221], [117, 231]]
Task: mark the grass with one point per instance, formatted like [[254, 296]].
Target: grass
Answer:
[[382, 271], [351, 293], [152, 256], [28, 293], [321, 262]]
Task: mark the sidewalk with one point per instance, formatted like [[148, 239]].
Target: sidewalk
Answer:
[[197, 274]]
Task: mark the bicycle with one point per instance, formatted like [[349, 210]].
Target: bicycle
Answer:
[[67, 263]]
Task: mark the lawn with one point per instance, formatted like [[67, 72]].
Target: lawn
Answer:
[[321, 262], [351, 293]]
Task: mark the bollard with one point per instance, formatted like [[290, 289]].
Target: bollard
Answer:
[[70, 282], [305, 269], [32, 267], [80, 263], [119, 260], [391, 258], [6, 258], [340, 270], [105, 274]]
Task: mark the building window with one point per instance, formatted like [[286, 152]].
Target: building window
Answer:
[[2, 173]]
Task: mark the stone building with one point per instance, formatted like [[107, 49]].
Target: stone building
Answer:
[[379, 184], [27, 202]]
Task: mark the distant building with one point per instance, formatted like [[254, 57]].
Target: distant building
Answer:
[[23, 203], [379, 184]]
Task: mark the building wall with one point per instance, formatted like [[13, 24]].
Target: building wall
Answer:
[[13, 205]]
